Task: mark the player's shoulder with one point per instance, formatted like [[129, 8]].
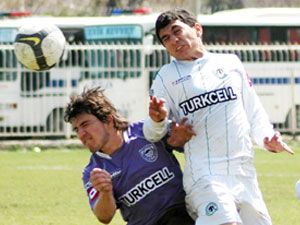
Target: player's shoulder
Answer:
[[135, 133], [135, 129], [167, 69], [95, 161], [226, 60], [87, 169], [224, 56]]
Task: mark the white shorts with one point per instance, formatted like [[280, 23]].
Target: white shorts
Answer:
[[215, 200]]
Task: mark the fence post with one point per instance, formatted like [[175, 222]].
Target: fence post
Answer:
[[68, 130], [293, 109]]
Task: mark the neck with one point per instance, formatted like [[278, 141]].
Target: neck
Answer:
[[199, 54], [195, 55], [116, 142]]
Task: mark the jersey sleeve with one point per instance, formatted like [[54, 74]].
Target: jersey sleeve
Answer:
[[91, 192], [154, 131], [260, 126]]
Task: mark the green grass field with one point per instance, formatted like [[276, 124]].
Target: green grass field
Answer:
[[46, 189]]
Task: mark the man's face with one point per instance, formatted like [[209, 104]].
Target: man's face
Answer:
[[93, 133], [182, 41]]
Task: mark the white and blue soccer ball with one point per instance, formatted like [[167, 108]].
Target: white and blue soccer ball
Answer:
[[39, 47]]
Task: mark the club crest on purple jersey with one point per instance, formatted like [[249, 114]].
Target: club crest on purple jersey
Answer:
[[149, 153]]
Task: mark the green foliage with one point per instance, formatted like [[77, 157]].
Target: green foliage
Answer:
[[45, 188]]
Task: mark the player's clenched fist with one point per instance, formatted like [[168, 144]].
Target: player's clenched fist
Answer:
[[101, 180]]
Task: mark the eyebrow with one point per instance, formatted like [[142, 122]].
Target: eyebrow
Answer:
[[173, 26], [163, 37]]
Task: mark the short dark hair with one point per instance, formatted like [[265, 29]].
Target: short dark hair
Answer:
[[167, 17], [93, 101]]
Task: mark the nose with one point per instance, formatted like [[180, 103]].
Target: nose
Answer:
[[173, 38]]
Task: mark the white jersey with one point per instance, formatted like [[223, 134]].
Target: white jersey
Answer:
[[216, 95]]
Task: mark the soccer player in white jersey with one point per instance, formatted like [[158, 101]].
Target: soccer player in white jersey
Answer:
[[216, 96]]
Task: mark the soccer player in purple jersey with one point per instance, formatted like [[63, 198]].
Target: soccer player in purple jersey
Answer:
[[127, 172], [214, 93]]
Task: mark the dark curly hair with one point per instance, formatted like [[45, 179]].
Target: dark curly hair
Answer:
[[167, 17], [93, 101]]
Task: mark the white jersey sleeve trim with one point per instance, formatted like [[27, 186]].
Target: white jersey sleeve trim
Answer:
[[154, 131]]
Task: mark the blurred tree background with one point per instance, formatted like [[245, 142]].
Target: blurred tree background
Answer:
[[103, 7]]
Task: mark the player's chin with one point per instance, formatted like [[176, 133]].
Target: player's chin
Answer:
[[90, 146], [93, 150]]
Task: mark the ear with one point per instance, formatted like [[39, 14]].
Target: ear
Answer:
[[198, 29], [110, 121]]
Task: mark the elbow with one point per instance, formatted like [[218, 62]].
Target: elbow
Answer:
[[105, 211], [105, 220], [104, 216]]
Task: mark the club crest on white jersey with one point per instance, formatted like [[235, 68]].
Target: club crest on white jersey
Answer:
[[220, 73]]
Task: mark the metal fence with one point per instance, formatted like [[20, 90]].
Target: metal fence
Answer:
[[32, 103]]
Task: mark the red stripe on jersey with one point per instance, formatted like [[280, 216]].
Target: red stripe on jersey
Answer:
[[92, 193], [249, 80]]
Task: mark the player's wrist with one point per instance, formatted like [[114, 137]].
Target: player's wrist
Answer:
[[160, 122]]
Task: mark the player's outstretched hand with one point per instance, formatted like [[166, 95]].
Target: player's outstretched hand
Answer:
[[181, 133], [157, 109], [101, 180], [276, 144]]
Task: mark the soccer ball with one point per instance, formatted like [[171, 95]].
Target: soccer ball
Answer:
[[39, 47]]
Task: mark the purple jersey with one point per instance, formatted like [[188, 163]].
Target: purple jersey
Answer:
[[147, 179]]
